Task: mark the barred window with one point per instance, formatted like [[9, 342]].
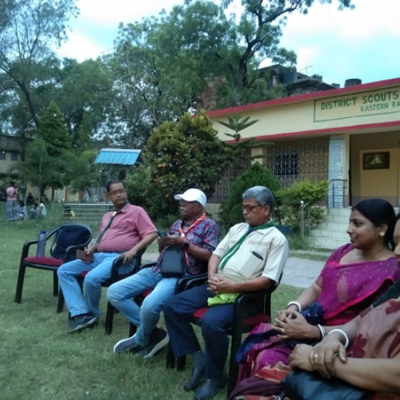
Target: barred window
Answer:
[[14, 156], [2, 155], [286, 164]]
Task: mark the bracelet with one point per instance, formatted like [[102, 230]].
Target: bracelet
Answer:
[[294, 303], [322, 330], [344, 334]]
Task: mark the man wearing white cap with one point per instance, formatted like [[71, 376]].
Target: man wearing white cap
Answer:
[[196, 236]]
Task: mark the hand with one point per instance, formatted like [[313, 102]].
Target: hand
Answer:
[[128, 255], [284, 314], [296, 326], [220, 284], [300, 358], [172, 240], [323, 355]]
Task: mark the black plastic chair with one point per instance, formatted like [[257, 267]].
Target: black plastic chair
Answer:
[[66, 240], [115, 277], [239, 326]]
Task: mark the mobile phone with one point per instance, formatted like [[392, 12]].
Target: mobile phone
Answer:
[[161, 233]]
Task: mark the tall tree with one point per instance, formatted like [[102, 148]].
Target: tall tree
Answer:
[[50, 158], [29, 30]]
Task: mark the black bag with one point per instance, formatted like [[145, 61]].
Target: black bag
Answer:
[[173, 264], [304, 385]]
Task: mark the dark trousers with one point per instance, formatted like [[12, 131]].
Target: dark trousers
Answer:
[[177, 313]]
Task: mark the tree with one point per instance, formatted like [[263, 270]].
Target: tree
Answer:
[[49, 156], [28, 32], [182, 155], [230, 212]]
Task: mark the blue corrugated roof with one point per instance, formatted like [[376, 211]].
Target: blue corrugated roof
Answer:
[[117, 156]]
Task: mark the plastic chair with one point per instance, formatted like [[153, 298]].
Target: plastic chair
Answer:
[[66, 240], [239, 326], [115, 276]]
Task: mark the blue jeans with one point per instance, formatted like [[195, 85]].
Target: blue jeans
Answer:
[[146, 317], [99, 272]]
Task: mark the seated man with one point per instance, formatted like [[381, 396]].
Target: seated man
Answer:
[[123, 233], [198, 237], [251, 257]]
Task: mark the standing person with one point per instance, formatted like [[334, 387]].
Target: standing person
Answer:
[[11, 205], [123, 233], [251, 257], [41, 210], [354, 276], [197, 235]]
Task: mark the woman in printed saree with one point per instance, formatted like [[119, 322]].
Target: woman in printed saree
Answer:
[[372, 361], [354, 276]]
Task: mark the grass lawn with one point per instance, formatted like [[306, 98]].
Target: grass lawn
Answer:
[[40, 361]]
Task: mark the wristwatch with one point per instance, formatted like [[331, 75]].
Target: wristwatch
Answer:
[[186, 245]]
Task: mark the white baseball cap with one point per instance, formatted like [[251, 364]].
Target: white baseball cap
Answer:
[[192, 195]]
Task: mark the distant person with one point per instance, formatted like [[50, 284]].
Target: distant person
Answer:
[[30, 199], [33, 211], [11, 205], [41, 210], [21, 210]]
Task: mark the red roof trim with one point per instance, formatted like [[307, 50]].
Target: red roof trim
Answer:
[[306, 97]]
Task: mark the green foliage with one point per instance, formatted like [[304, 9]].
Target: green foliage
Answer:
[[182, 155], [50, 159], [230, 212], [289, 203], [136, 183]]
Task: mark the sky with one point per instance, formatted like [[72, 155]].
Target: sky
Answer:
[[361, 43]]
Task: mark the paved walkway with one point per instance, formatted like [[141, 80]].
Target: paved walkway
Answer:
[[298, 271]]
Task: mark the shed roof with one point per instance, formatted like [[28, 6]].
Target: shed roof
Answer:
[[117, 156]]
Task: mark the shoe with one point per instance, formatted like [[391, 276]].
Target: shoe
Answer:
[[125, 345], [198, 376], [159, 338], [80, 322], [210, 388]]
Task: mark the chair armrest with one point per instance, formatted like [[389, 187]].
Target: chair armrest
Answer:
[[29, 243], [72, 250], [189, 282], [148, 265], [119, 262]]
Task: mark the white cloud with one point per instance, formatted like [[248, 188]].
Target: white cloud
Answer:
[[111, 13], [81, 48]]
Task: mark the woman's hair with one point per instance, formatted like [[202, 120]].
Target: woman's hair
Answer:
[[379, 212]]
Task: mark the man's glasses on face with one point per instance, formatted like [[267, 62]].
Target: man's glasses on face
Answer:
[[249, 208]]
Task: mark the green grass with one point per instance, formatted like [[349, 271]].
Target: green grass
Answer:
[[40, 361]]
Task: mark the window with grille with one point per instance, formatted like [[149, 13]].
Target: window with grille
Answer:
[[286, 164], [14, 156], [2, 155]]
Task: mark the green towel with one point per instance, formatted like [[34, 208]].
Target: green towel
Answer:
[[222, 298]]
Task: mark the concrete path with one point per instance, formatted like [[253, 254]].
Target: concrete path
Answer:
[[298, 272]]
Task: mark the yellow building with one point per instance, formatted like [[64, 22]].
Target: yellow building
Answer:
[[349, 136]]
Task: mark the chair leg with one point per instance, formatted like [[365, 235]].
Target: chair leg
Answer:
[[55, 283], [170, 360], [60, 301], [180, 363], [233, 365], [132, 329], [20, 283], [109, 318]]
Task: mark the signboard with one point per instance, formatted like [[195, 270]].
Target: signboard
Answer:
[[384, 101]]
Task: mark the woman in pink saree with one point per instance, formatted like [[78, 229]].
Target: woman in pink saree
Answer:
[[354, 276]]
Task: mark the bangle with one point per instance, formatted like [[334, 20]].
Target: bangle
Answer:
[[294, 303], [344, 334], [322, 330]]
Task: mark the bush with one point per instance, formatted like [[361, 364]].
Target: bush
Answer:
[[289, 207], [230, 212]]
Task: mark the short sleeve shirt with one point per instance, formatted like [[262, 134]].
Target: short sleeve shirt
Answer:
[[204, 235], [263, 253]]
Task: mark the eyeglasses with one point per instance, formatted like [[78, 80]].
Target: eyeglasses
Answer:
[[250, 208]]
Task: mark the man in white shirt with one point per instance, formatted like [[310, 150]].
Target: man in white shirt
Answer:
[[251, 257]]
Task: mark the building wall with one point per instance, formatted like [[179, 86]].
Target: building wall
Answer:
[[375, 183]]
